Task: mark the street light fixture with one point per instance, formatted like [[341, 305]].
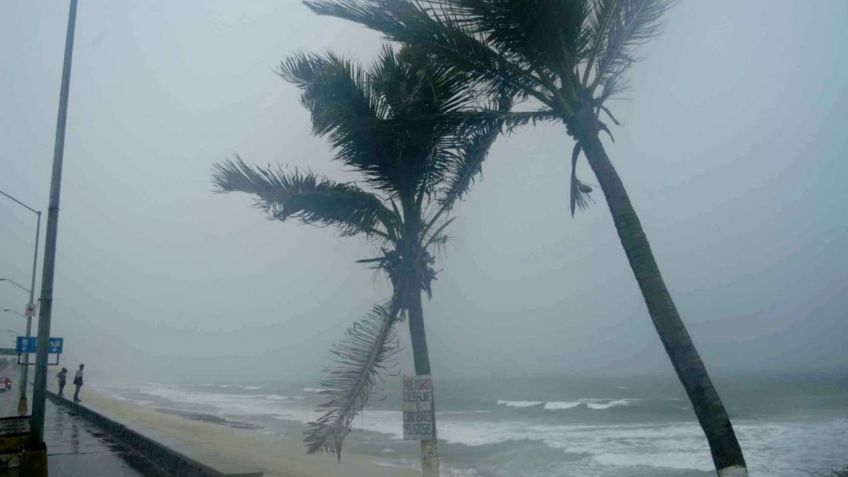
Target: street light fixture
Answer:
[[16, 284], [15, 312], [23, 405]]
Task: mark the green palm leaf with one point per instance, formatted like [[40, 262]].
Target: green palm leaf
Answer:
[[305, 196], [345, 109]]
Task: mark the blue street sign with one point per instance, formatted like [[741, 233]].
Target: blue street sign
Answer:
[[30, 345], [54, 345], [25, 344]]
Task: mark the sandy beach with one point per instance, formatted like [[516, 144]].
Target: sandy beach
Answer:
[[277, 457]]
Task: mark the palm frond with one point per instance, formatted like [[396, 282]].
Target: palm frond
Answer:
[[431, 26], [305, 196], [579, 191], [537, 33], [630, 24], [600, 20], [346, 110], [468, 163], [361, 356], [418, 95]]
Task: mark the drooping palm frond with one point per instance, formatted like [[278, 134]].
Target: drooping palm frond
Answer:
[[305, 196], [579, 191], [360, 358]]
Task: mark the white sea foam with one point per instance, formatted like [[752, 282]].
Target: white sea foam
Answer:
[[591, 403], [597, 404], [557, 405], [518, 403]]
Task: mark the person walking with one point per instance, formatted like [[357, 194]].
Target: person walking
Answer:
[[63, 377], [78, 382]]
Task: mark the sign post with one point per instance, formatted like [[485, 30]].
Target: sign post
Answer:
[[418, 408]]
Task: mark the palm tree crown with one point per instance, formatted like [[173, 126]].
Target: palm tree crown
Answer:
[[568, 56], [396, 125]]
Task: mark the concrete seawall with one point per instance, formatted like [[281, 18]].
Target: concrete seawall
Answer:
[[170, 456]]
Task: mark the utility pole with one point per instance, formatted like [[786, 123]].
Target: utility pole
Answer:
[[39, 457], [22, 402]]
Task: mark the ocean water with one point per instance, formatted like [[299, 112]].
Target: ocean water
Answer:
[[789, 426]]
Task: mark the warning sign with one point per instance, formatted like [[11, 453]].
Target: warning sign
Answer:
[[14, 432], [418, 408], [13, 426]]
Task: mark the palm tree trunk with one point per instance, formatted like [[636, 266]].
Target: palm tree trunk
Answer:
[[726, 453], [421, 357]]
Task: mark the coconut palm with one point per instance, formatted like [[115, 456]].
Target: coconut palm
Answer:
[[413, 172], [568, 58]]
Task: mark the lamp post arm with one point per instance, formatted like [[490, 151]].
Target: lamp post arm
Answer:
[[21, 203], [17, 285]]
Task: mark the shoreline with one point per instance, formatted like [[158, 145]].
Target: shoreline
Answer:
[[276, 456]]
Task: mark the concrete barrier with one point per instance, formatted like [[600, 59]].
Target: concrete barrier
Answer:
[[171, 456]]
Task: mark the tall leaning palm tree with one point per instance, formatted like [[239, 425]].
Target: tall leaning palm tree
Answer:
[[568, 58], [414, 170]]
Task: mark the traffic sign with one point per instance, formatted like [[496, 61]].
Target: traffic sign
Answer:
[[29, 344]]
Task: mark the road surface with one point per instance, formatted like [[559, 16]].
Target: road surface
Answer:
[[9, 399]]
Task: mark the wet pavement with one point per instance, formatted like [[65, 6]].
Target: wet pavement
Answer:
[[77, 448]]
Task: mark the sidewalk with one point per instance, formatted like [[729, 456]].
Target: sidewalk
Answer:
[[77, 448]]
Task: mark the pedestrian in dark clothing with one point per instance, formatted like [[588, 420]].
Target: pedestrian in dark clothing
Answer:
[[63, 377], [78, 382]]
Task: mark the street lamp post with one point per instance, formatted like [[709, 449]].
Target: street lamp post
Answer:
[[36, 462], [23, 405]]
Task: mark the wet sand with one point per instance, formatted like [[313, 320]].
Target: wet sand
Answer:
[[276, 456]]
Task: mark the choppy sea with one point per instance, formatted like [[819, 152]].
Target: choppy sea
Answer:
[[788, 425]]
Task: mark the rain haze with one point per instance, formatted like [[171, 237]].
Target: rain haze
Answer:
[[732, 148]]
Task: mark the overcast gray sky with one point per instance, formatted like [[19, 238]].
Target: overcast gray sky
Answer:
[[733, 150]]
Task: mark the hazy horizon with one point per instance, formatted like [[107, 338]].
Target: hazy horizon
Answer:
[[732, 149]]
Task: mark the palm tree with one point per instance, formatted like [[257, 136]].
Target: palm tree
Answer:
[[415, 169], [569, 58]]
